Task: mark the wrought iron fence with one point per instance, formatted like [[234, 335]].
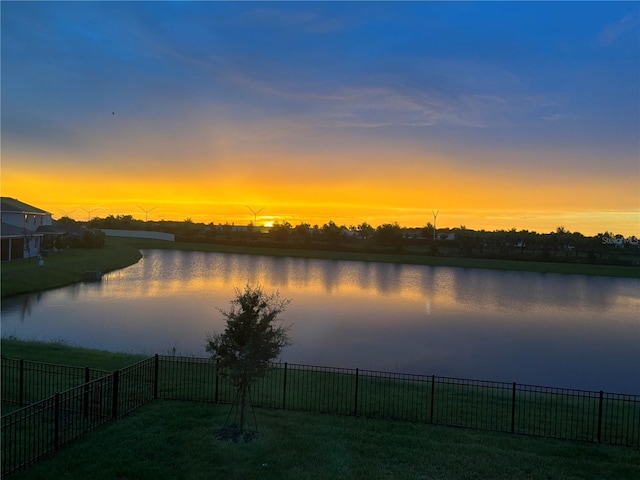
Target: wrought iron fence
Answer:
[[40, 428], [25, 382], [581, 415]]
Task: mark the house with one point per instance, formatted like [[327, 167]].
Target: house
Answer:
[[25, 230], [414, 232], [447, 236]]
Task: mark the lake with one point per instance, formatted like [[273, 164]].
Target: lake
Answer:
[[556, 330]]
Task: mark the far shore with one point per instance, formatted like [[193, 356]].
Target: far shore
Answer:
[[67, 267]]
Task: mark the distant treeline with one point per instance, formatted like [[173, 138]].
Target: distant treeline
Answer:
[[559, 245]]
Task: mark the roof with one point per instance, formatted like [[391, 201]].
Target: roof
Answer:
[[64, 227], [51, 229], [8, 204], [7, 230]]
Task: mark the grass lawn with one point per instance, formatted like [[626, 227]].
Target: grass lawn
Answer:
[[58, 353], [64, 267], [64, 354], [174, 440]]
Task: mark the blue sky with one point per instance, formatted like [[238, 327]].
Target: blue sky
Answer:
[[399, 105]]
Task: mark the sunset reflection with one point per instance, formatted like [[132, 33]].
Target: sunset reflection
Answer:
[[167, 273], [566, 330]]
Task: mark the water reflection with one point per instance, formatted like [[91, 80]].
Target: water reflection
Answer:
[[169, 273], [565, 330]]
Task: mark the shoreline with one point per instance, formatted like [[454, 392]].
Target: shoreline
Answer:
[[405, 259], [67, 267]]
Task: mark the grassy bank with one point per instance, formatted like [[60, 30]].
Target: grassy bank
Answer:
[[64, 267], [64, 354], [67, 266]]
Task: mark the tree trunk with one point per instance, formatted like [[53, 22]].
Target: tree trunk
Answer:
[[243, 401]]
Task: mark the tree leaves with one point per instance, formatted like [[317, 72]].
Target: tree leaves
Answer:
[[254, 335]]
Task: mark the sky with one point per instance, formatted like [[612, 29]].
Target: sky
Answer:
[[496, 115]]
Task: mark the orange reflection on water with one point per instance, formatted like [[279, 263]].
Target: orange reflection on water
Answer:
[[435, 289], [197, 273], [453, 321]]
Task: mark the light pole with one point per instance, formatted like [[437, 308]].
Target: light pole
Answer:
[[89, 212], [435, 215], [255, 214], [146, 212]]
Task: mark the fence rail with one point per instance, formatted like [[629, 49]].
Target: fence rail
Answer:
[[40, 428], [581, 415], [24, 382]]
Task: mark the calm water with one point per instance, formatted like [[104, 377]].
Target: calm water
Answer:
[[559, 330]]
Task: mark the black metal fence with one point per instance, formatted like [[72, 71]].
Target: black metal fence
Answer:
[[581, 415], [40, 428], [24, 382]]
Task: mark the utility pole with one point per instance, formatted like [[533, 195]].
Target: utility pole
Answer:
[[435, 215]]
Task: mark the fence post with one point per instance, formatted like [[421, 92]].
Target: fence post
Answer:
[[86, 391], [114, 403], [355, 403], [433, 391], [56, 421], [156, 371], [21, 394], [513, 408], [217, 377], [600, 418], [284, 387]]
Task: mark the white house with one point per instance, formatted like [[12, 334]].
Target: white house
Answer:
[[22, 228]]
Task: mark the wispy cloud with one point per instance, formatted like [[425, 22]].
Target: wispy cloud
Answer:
[[614, 31], [308, 19], [558, 117], [366, 99]]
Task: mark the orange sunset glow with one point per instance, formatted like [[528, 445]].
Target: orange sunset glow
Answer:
[[155, 123]]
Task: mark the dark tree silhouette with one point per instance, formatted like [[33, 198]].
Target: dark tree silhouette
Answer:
[[390, 234], [332, 233], [429, 232], [253, 337], [302, 234], [365, 231], [280, 231]]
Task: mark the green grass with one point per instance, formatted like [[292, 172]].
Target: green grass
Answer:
[[169, 440], [40, 384], [172, 439], [403, 398], [65, 354], [486, 407], [64, 267]]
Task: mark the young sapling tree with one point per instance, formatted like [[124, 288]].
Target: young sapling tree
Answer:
[[254, 336]]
